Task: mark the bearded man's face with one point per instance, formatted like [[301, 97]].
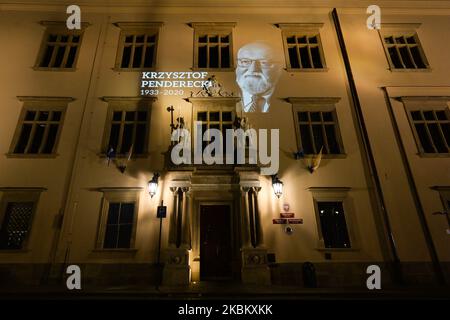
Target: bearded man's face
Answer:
[[257, 71]]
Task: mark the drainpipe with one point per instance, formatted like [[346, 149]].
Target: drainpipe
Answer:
[[367, 154], [415, 193]]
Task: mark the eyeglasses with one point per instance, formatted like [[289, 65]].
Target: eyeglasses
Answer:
[[263, 63]]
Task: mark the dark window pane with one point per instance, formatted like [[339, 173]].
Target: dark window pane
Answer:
[[428, 115], [213, 39], [315, 116], [424, 139], [303, 116], [64, 38], [126, 57], [23, 139], [37, 139], [441, 115], [126, 213], [16, 225], [201, 116], [137, 57], [47, 57], [43, 115], [114, 136], [214, 57], [52, 37], [395, 58], [117, 115], [111, 235], [304, 56], [417, 58], [318, 137], [332, 139], [149, 51], [389, 40], [129, 116], [227, 116], [224, 39], [129, 39], [316, 57], [437, 138], [56, 116], [301, 39], [140, 38], [59, 57], [142, 116], [290, 40], [124, 236], [333, 226], [306, 139], [406, 58], [225, 57], [127, 138], [75, 39], [30, 115], [113, 213], [51, 138], [446, 131], [400, 40], [312, 39], [416, 115], [151, 39], [141, 132], [411, 40], [203, 39], [202, 58], [327, 116], [71, 57], [214, 116], [293, 58]]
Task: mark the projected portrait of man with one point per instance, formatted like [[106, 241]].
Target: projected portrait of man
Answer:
[[257, 74]]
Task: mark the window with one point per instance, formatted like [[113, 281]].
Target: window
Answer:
[[127, 126], [16, 215], [138, 44], [39, 126], [60, 47], [333, 208], [119, 218], [217, 119], [302, 47], [429, 118], [213, 46], [403, 48], [317, 125], [332, 223]]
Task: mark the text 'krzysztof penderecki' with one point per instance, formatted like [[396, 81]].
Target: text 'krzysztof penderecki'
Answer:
[[174, 80]]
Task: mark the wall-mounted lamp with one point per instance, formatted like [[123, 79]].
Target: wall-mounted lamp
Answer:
[[153, 185], [277, 185]]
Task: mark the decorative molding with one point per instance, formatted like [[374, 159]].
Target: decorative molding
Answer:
[[118, 189], [142, 25], [313, 100], [144, 98], [400, 26], [299, 26], [46, 99], [23, 189], [196, 25], [62, 24]]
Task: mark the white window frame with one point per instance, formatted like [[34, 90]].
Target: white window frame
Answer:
[[406, 30], [59, 28], [425, 104], [39, 104], [208, 28], [127, 104], [117, 195], [336, 194], [318, 104], [300, 30], [136, 28]]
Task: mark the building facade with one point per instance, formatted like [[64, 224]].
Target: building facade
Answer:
[[80, 142]]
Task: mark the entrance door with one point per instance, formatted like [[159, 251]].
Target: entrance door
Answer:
[[215, 242]]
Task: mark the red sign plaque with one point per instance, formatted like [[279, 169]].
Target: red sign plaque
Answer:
[[295, 221], [279, 221], [286, 215]]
